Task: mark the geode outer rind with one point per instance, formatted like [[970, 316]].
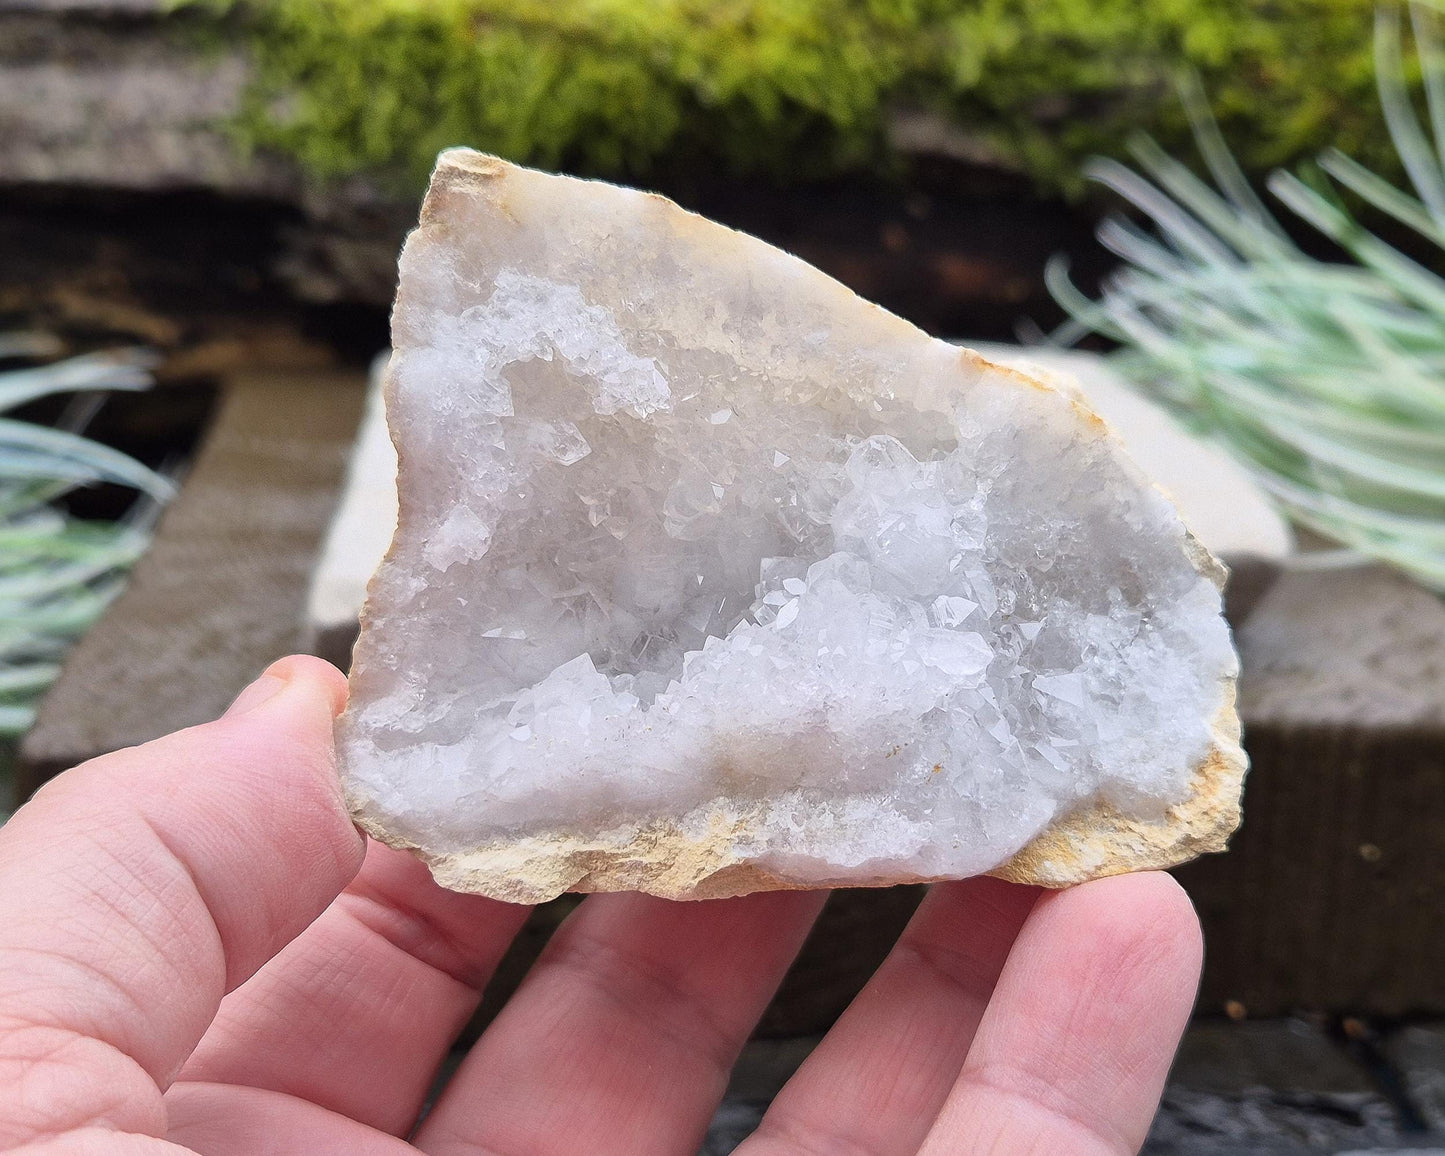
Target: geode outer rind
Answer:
[[719, 846]]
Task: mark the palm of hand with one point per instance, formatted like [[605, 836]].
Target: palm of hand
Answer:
[[138, 890]]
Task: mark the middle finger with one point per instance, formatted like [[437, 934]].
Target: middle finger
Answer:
[[621, 1039]]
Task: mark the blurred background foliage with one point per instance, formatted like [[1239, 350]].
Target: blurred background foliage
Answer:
[[1323, 377], [58, 572], [808, 88]]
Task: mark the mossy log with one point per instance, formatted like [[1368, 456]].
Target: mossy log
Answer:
[[142, 91]]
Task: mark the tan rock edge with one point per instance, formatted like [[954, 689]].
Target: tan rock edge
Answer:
[[660, 857]]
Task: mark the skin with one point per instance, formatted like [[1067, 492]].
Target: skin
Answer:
[[199, 953]]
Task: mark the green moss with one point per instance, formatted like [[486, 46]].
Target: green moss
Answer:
[[792, 87], [1056, 80]]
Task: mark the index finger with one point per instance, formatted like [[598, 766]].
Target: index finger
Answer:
[[138, 888]]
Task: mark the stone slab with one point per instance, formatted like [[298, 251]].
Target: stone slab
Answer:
[[1289, 1055], [361, 527], [1359, 647], [1418, 1055], [1277, 1085], [1266, 1088], [1218, 499]]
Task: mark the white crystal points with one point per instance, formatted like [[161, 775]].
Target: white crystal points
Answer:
[[710, 576]]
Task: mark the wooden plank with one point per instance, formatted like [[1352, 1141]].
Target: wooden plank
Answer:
[[1330, 895], [221, 592]]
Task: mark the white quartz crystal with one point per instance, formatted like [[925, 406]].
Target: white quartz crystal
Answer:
[[707, 569]]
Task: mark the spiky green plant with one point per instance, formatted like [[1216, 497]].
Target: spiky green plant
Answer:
[[58, 572], [1326, 378]]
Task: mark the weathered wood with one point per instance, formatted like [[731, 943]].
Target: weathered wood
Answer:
[[112, 92], [100, 98], [117, 152], [1331, 893], [221, 592]]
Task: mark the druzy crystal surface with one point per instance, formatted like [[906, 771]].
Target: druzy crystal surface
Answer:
[[693, 541]]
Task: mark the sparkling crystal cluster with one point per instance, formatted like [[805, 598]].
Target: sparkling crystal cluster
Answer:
[[698, 551]]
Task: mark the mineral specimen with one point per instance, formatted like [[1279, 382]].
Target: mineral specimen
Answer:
[[711, 577]]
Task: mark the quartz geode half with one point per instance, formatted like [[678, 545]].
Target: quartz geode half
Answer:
[[711, 577]]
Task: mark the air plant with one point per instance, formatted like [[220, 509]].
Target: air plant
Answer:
[[1327, 379], [58, 572]]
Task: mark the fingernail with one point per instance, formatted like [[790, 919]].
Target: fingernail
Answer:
[[264, 688]]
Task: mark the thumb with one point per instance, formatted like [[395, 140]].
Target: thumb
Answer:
[[138, 888]]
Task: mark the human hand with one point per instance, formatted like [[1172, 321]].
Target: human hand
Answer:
[[196, 957]]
